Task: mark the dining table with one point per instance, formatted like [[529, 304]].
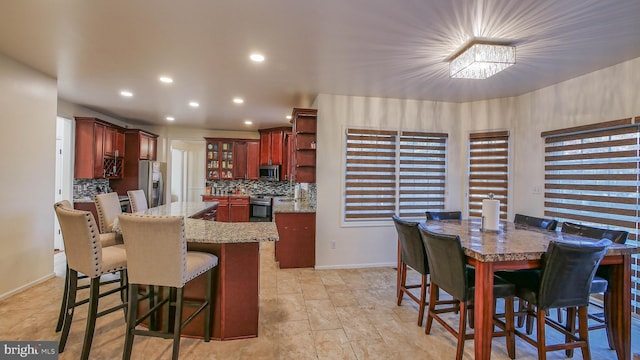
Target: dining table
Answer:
[[515, 246]]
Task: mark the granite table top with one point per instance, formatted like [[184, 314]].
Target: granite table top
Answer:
[[512, 242], [290, 205], [213, 232]]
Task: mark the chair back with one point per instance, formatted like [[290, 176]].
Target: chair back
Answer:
[[413, 251], [81, 239], [108, 209], [444, 215], [137, 200], [616, 236], [567, 272], [447, 265], [156, 249], [548, 224]]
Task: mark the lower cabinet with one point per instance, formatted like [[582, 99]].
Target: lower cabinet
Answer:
[[230, 208], [296, 247]]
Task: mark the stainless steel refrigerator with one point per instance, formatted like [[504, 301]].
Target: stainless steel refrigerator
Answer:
[[152, 176]]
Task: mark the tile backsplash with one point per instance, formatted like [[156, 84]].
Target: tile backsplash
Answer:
[[284, 188], [86, 188]]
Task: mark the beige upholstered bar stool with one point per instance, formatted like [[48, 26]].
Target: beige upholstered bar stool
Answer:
[[138, 200], [108, 209], [157, 256], [86, 255]]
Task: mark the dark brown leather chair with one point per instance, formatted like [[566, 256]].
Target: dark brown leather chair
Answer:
[[449, 272], [563, 281], [444, 215], [548, 224]]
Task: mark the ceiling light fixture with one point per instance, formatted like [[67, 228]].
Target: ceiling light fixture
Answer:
[[480, 60], [255, 57], [166, 79], [193, 104], [288, 117], [170, 118], [248, 122], [238, 100], [126, 93]]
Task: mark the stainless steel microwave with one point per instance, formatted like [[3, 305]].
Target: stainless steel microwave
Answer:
[[270, 172]]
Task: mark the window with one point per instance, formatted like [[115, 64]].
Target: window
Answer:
[[592, 178], [393, 172], [488, 170]]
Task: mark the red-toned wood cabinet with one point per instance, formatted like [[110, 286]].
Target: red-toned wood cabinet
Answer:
[[245, 155], [97, 151], [303, 165], [296, 246], [272, 146], [230, 208], [253, 159]]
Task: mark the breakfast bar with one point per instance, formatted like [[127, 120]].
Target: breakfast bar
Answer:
[[236, 287]]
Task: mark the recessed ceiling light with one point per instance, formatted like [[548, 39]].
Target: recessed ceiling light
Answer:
[[238, 100], [126, 93], [256, 57], [288, 117], [193, 104], [248, 122], [166, 79], [170, 118]]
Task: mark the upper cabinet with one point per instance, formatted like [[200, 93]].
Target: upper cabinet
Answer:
[[141, 145], [99, 149], [274, 149], [303, 164], [245, 155], [219, 158]]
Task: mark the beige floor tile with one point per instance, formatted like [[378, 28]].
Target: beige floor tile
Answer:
[[333, 344], [322, 315], [291, 307], [314, 292]]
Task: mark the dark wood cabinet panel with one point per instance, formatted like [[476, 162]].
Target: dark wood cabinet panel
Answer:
[[240, 149], [272, 146], [296, 246], [96, 153], [253, 154], [303, 164], [87, 206], [230, 208]]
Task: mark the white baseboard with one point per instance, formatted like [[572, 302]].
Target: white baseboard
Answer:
[[27, 286], [355, 266]]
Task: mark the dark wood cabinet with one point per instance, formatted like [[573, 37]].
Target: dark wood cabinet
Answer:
[[245, 157], [296, 246], [96, 150], [230, 208], [272, 146], [303, 165], [253, 159], [140, 145], [228, 159]]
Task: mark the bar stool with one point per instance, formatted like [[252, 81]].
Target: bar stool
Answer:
[[86, 255], [108, 208], [448, 271], [138, 200], [157, 256]]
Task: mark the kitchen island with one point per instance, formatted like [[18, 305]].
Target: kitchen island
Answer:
[[296, 222], [236, 287]]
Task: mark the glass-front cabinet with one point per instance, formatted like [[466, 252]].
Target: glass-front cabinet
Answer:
[[219, 159]]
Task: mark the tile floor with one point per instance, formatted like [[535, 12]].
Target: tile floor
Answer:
[[304, 314]]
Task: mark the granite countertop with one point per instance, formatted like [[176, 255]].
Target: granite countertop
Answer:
[[512, 242], [213, 232], [290, 205], [228, 195], [122, 198]]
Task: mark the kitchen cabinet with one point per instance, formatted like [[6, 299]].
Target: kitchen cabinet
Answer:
[[245, 157], [230, 208], [303, 164], [296, 247], [140, 145], [219, 158], [272, 146], [96, 149]]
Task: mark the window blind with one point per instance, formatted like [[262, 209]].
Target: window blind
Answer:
[[488, 170], [393, 172]]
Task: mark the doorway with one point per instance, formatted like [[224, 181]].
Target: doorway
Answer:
[[63, 172]]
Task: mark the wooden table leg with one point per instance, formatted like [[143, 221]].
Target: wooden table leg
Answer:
[[619, 325], [398, 272], [483, 310]]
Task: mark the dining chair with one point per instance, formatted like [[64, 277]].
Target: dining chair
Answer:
[[157, 256], [444, 215], [137, 200], [85, 254], [600, 284], [562, 281], [449, 272], [108, 209], [547, 224]]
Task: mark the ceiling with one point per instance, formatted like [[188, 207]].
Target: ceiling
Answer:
[[379, 48]]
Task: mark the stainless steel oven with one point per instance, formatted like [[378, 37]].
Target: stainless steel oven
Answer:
[[260, 208]]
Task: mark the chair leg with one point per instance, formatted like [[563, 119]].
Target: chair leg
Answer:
[[124, 292], [583, 329], [63, 305], [529, 325], [403, 281], [462, 330], [131, 320], [607, 319], [521, 308], [151, 290], [559, 310], [433, 291], [207, 310], [177, 327], [94, 295], [423, 298], [69, 308], [571, 328], [509, 322], [541, 336]]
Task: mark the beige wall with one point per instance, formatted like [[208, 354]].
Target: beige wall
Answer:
[[27, 144], [607, 94]]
